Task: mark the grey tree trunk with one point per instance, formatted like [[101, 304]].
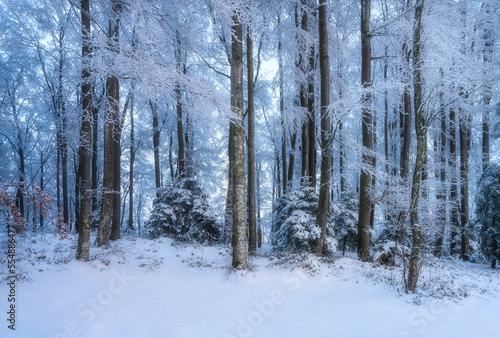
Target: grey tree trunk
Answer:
[[303, 96], [111, 119], [421, 131], [452, 164], [156, 146], [367, 124], [464, 185], [131, 166], [238, 154], [83, 249], [117, 152], [441, 193], [326, 137], [252, 217], [282, 113], [178, 97]]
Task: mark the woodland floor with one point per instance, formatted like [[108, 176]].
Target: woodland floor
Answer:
[[142, 288]]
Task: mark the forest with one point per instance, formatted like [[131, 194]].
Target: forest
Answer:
[[249, 136]]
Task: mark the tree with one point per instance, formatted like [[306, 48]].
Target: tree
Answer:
[[421, 131], [252, 219], [365, 180], [488, 212], [83, 249], [111, 122], [326, 137], [236, 155]]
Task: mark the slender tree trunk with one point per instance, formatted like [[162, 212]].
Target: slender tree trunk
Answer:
[[441, 194], [406, 118], [77, 192], [282, 112], [180, 131], [487, 96], [252, 220], [63, 132], [228, 217], [464, 186], [42, 186], [131, 167], [83, 250], [95, 130], [452, 164], [117, 153], [303, 96], [326, 137], [420, 128], [367, 124], [111, 120], [156, 146], [237, 155]]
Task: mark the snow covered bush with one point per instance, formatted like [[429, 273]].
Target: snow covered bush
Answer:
[[182, 212], [488, 212], [294, 225], [344, 220], [295, 228]]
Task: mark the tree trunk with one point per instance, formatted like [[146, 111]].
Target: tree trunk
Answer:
[[111, 120], [452, 163], [252, 220], [178, 97], [282, 112], [95, 130], [420, 128], [77, 193], [131, 167], [326, 150], [83, 250], [464, 186], [156, 146], [441, 193], [238, 154], [117, 153], [367, 124], [303, 96]]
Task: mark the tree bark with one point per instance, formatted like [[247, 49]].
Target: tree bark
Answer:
[[303, 96], [131, 167], [282, 112], [83, 249], [452, 163], [367, 124], [464, 186], [237, 155], [178, 97], [95, 130], [441, 193], [111, 120], [252, 219], [117, 152], [420, 128], [326, 137], [156, 146]]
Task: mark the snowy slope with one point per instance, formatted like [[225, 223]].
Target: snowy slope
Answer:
[[141, 288]]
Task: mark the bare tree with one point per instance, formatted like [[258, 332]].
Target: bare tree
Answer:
[[367, 122], [83, 250], [237, 156], [326, 137]]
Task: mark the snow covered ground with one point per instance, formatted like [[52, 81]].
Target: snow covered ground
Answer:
[[141, 288]]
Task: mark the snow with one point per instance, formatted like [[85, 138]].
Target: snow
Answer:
[[156, 288]]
